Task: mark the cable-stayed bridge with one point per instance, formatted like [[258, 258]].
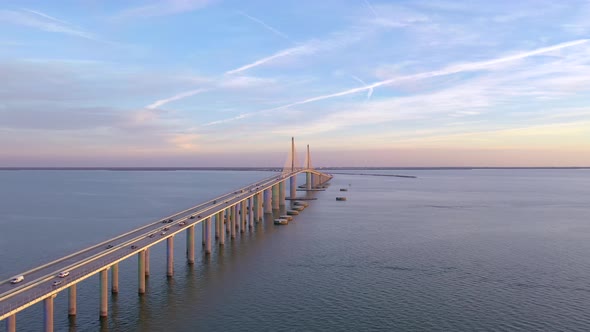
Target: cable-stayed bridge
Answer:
[[220, 217]]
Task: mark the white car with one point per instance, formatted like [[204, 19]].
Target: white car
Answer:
[[63, 274], [16, 280], [57, 283]]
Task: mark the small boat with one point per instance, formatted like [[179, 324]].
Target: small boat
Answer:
[[299, 208], [286, 216], [281, 221], [340, 198], [343, 189], [292, 212]]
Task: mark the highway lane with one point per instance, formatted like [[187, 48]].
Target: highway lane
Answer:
[[89, 262]]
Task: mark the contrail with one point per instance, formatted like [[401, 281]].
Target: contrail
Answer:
[[304, 49], [453, 69], [268, 27], [46, 16], [371, 8], [161, 102], [370, 93]]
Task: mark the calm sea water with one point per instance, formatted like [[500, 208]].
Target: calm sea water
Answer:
[[452, 250]]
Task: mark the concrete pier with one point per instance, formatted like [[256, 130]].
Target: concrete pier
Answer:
[[147, 262], [251, 211], [228, 213], [190, 244], [256, 212], [282, 193], [11, 323], [268, 201], [259, 207], [217, 226], [220, 219], [203, 230], [141, 271], [115, 278], [275, 197], [208, 232], [48, 313], [232, 226], [243, 213], [104, 297], [308, 180], [170, 256], [293, 188], [72, 308]]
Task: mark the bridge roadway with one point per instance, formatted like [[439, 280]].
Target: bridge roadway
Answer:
[[38, 282]]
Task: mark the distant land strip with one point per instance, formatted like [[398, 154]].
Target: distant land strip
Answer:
[[369, 174]]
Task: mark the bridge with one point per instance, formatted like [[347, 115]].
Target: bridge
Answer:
[[219, 217]]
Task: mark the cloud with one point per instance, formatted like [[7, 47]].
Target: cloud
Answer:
[[42, 21], [164, 8], [182, 95], [337, 40], [244, 82], [266, 26], [452, 69], [305, 49]]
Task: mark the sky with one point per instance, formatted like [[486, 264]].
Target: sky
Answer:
[[198, 83]]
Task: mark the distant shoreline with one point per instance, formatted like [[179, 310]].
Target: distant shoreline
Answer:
[[268, 169]]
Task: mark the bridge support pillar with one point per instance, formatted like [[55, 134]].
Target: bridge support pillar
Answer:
[[11, 323], [48, 314], [217, 226], [170, 256], [115, 278], [141, 272], [228, 213], [208, 233], [219, 221], [293, 188], [282, 193], [259, 207], [190, 244], [146, 265], [232, 226], [243, 215], [268, 201], [275, 197], [203, 231], [308, 180], [72, 310], [251, 211], [255, 207], [104, 297]]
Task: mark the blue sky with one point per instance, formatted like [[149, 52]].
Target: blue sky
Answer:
[[227, 83]]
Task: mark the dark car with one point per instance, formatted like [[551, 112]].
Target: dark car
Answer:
[[170, 220], [199, 216], [152, 235], [192, 217], [133, 247], [109, 246], [166, 228]]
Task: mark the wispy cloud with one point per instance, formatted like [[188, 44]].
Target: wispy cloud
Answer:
[[452, 69], [159, 103], [36, 19], [165, 7], [266, 26], [298, 50]]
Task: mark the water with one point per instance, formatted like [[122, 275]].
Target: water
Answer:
[[452, 250]]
